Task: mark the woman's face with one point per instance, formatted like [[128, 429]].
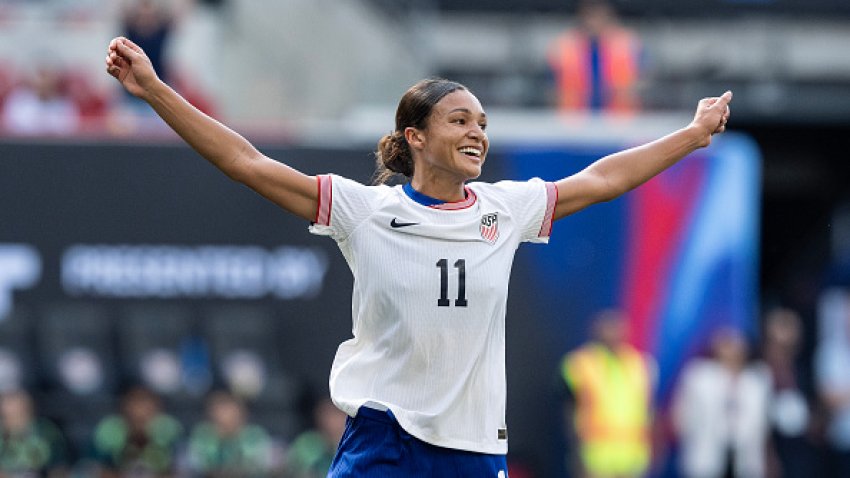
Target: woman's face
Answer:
[[454, 142]]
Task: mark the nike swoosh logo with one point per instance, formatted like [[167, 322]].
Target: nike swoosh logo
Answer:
[[394, 223]]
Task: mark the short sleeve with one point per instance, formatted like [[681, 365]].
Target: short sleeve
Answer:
[[343, 204], [532, 203]]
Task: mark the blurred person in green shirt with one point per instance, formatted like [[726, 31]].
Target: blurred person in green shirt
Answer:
[[140, 441], [29, 445], [312, 452], [226, 444]]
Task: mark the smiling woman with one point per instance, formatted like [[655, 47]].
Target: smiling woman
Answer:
[[434, 118], [423, 378]]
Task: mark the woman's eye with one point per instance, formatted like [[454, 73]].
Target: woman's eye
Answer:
[[483, 126], [460, 121]]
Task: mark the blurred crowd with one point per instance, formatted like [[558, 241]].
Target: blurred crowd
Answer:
[[157, 390], [142, 439], [595, 65], [46, 97], [49, 101], [741, 408]]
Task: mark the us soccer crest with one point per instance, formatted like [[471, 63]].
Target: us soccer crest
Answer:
[[490, 227]]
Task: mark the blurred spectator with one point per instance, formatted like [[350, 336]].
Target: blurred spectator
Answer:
[[312, 452], [92, 105], [226, 445], [720, 411], [39, 105], [597, 64], [790, 412], [139, 441], [150, 24], [29, 445], [832, 371], [609, 402]]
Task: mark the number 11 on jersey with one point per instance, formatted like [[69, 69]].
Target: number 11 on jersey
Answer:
[[460, 265]]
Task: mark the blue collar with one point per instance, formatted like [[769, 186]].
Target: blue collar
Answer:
[[422, 199]]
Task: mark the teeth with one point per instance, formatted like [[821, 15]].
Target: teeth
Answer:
[[469, 150]]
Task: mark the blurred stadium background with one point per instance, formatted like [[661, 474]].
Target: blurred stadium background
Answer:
[[125, 258]]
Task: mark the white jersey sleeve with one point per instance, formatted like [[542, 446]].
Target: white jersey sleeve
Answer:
[[343, 205], [532, 204]]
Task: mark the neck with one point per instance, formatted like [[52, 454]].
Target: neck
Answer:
[[448, 191]]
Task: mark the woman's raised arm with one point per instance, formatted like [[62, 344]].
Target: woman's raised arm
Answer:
[[619, 173], [290, 189]]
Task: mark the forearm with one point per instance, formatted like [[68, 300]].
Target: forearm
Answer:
[[234, 155], [221, 146], [289, 188], [628, 169]]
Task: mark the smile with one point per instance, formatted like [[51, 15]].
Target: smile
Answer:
[[471, 151]]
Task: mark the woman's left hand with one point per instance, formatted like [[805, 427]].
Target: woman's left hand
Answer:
[[711, 116]]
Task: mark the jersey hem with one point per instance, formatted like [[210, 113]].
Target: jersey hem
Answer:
[[454, 444]]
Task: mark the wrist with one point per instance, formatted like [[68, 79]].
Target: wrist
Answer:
[[155, 91], [696, 136]]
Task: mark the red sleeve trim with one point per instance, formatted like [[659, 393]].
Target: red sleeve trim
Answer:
[[549, 216], [325, 193]]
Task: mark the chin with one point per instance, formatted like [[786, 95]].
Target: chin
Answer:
[[472, 173], [474, 170]]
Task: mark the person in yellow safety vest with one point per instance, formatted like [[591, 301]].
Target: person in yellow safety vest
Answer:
[[597, 65], [609, 406]]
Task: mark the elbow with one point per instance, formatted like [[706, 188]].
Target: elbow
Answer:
[[238, 174], [611, 190], [605, 186], [240, 166], [609, 195]]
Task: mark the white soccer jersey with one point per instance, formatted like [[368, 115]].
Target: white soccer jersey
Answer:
[[430, 291]]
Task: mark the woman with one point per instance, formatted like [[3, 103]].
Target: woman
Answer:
[[424, 376]]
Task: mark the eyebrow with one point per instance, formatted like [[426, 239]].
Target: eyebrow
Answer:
[[465, 110]]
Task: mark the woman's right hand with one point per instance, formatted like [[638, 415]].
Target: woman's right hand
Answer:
[[129, 64]]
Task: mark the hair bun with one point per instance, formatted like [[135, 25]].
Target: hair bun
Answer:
[[394, 154]]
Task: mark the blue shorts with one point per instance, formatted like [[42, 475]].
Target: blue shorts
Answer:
[[375, 445]]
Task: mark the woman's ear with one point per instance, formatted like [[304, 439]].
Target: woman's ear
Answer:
[[414, 138]]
